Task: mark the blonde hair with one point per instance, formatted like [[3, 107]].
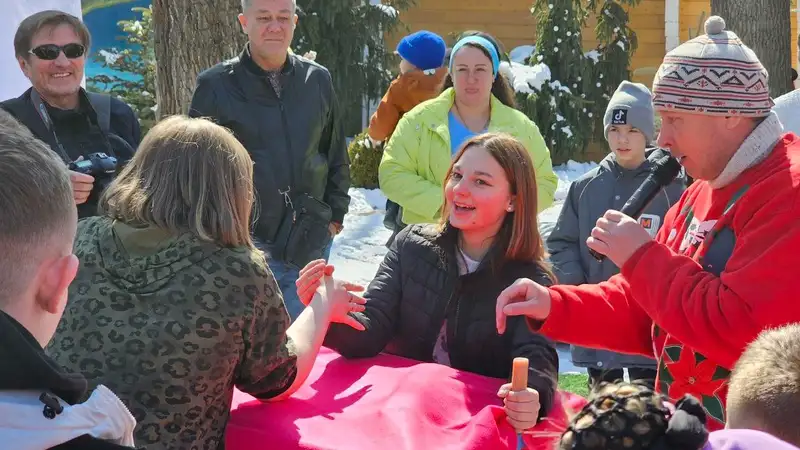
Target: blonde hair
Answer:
[[188, 175], [764, 389], [518, 238]]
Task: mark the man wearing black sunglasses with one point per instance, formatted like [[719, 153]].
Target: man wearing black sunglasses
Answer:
[[51, 48]]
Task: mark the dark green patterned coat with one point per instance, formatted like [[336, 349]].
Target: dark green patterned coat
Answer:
[[171, 325]]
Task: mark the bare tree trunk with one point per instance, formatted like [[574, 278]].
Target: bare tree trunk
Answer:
[[764, 26], [191, 36]]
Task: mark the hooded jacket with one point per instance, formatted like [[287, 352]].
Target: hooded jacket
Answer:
[[608, 186], [172, 324], [787, 107], [32, 391]]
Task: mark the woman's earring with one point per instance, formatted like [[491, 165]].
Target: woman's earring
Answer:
[[510, 208]]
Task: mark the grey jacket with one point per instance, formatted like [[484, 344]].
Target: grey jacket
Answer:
[[608, 186]]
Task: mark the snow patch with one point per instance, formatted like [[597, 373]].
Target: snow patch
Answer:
[[787, 107], [557, 86], [529, 79], [387, 9], [522, 53]]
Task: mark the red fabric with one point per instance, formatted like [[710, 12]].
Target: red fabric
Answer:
[[383, 403], [702, 322]]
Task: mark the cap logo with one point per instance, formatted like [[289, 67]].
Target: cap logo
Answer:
[[619, 117]]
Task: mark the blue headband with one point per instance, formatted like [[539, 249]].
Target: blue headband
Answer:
[[481, 42]]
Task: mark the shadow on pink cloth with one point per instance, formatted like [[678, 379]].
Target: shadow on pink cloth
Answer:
[[387, 402]]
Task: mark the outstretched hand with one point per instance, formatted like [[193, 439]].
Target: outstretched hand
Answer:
[[523, 298], [342, 301], [315, 277]]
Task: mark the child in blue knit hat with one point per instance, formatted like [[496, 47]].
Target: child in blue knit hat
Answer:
[[422, 74]]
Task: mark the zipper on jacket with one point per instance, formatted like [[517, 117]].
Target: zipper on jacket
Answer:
[[457, 294]]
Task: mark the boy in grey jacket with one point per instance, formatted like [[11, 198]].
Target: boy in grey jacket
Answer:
[[629, 127]]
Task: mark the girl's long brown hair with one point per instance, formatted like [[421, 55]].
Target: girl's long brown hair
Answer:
[[188, 175], [518, 238]]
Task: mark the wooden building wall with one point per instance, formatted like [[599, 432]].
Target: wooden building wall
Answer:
[[512, 23], [508, 20]]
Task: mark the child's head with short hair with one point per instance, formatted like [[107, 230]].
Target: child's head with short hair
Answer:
[[423, 50], [631, 416], [38, 223], [629, 123], [764, 390]]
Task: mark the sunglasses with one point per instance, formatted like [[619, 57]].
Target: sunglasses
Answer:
[[49, 52]]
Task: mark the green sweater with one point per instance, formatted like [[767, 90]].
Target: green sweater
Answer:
[[171, 324], [417, 156]]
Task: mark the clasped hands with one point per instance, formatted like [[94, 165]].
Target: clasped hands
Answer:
[[340, 294], [521, 407]]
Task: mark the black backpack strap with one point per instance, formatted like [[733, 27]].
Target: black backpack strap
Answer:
[[102, 107]]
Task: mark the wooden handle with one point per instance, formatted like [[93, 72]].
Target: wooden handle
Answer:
[[519, 374]]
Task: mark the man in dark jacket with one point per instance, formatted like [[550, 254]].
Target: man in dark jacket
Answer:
[[284, 111], [51, 48], [37, 228]]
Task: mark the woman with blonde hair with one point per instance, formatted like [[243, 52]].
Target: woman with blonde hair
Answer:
[[173, 305], [433, 296]]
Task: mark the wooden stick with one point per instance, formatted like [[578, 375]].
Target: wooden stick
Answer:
[[519, 374]]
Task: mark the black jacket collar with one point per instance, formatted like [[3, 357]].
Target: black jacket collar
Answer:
[[247, 60], [25, 366]]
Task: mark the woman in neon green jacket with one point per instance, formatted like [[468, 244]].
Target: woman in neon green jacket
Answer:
[[480, 100]]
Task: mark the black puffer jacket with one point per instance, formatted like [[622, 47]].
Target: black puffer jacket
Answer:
[[295, 140], [418, 286]]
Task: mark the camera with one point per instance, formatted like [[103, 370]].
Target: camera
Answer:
[[96, 164]]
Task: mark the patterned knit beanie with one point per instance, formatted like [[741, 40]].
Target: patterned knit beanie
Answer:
[[714, 74]]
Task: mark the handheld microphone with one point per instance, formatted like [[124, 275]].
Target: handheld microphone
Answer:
[[663, 173]]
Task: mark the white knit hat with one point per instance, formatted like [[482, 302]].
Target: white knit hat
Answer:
[[714, 74]]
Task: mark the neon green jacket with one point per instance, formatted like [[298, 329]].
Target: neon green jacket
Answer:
[[417, 156]]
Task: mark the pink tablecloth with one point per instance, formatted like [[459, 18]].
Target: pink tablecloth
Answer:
[[386, 403]]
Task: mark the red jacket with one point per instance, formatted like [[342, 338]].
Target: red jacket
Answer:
[[723, 268]]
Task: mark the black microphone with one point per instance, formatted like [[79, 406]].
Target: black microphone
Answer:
[[661, 175]]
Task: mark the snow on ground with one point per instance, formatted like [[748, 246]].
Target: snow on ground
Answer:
[[567, 173], [787, 107], [360, 247]]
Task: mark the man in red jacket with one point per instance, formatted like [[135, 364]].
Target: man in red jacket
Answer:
[[724, 265]]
